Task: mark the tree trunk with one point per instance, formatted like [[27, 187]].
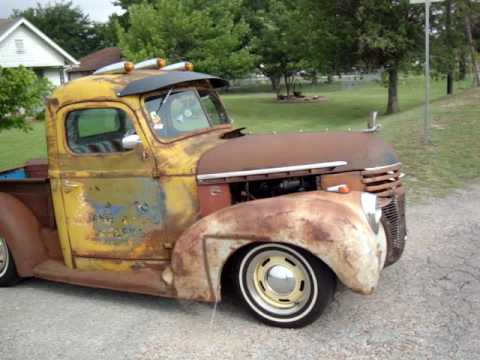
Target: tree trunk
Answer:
[[287, 85], [448, 25], [462, 67], [329, 78], [314, 78], [275, 80], [473, 50], [450, 83], [392, 91]]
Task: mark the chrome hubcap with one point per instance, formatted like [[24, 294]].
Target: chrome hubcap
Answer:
[[3, 257], [281, 280], [278, 282]]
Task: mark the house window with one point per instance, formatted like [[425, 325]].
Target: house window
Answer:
[[19, 46]]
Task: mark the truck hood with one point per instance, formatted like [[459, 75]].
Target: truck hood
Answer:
[[254, 152]]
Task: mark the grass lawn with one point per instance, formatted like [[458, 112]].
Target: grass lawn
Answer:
[[452, 160], [16, 147], [343, 109]]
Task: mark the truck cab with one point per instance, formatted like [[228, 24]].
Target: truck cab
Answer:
[[149, 188]]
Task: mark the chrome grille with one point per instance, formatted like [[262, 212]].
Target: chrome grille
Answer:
[[383, 181], [394, 223]]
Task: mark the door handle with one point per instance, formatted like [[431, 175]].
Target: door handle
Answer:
[[69, 186]]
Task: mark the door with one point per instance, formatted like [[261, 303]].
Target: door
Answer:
[[113, 201]]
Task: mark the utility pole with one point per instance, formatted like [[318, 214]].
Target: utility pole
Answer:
[[428, 115]]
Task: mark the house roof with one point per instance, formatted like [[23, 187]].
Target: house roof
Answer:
[[8, 26], [98, 59], [5, 24]]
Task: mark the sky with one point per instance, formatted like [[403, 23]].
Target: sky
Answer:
[[98, 10]]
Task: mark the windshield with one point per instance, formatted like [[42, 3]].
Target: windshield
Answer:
[[182, 111]]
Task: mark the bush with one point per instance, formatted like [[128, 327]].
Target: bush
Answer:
[[21, 95]]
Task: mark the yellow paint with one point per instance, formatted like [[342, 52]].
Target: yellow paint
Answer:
[[99, 198]]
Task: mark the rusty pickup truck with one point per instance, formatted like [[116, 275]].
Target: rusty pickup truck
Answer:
[[148, 188]]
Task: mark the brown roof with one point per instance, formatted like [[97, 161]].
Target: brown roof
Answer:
[[6, 24], [99, 59]]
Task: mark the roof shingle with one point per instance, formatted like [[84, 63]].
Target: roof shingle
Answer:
[[99, 59], [6, 24]]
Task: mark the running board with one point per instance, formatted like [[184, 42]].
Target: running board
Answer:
[[142, 281]]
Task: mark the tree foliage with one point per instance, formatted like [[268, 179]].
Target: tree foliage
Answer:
[[276, 40], [21, 97], [208, 33], [390, 36], [67, 26]]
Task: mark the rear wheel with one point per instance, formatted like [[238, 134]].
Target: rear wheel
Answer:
[[8, 273], [283, 286]]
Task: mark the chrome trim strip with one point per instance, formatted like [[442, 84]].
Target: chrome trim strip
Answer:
[[332, 164], [382, 167]]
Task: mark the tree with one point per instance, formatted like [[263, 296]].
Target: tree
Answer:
[[285, 40], [277, 43], [105, 33], [469, 8], [124, 19], [448, 41], [21, 95], [66, 25], [389, 35], [332, 48], [204, 32]]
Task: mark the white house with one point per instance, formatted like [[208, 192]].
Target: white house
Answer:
[[21, 43]]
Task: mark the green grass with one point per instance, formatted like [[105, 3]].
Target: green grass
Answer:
[[450, 162], [16, 147], [343, 109], [453, 159]]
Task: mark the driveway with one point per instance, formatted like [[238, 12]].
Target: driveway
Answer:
[[426, 307]]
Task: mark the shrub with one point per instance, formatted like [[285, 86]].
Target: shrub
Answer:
[[21, 96]]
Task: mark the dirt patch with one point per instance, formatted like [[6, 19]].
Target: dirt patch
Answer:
[[302, 99]]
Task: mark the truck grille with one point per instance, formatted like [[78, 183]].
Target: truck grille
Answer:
[[394, 224], [383, 181], [386, 183]]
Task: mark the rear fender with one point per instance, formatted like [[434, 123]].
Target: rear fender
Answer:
[[331, 226], [22, 231]]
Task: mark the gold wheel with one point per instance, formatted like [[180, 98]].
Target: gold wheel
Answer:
[[278, 281]]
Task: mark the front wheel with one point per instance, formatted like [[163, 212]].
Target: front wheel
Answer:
[[8, 272], [283, 286]]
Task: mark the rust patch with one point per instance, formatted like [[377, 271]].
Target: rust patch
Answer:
[[270, 151], [283, 220]]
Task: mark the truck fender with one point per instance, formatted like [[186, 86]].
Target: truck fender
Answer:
[[331, 226], [22, 232]]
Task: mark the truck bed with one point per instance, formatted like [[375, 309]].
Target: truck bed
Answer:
[[30, 184]]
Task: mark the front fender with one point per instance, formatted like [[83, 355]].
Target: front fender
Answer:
[[331, 226]]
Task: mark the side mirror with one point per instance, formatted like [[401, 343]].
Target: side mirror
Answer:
[[130, 142]]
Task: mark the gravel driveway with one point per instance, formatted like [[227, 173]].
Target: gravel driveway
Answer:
[[427, 307]]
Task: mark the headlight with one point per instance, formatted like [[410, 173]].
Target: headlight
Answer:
[[372, 210]]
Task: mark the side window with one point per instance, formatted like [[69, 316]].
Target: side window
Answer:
[[214, 108], [92, 131]]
